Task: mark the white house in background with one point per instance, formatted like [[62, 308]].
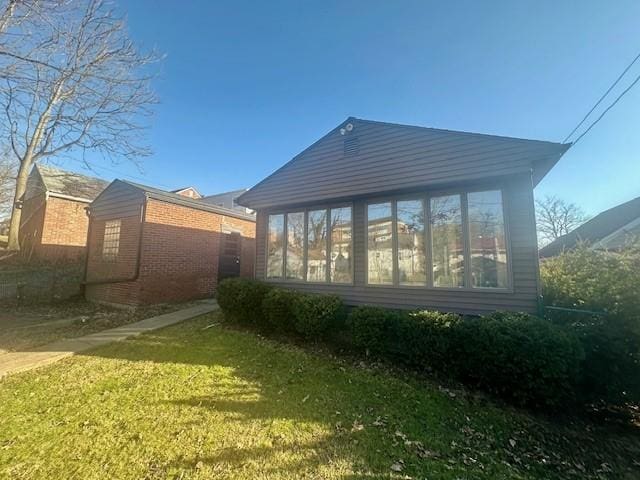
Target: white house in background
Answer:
[[227, 200], [613, 229]]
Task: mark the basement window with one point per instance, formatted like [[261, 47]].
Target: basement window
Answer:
[[111, 240]]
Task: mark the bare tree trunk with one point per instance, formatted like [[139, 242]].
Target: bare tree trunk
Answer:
[[16, 213]]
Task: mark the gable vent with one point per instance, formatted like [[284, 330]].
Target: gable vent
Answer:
[[351, 146]]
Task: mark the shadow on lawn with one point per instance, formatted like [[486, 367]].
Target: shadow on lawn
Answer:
[[335, 415]]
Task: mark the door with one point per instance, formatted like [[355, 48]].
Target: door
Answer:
[[229, 257]]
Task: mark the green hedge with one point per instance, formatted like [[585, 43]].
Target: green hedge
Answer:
[[372, 327], [277, 307], [524, 359], [607, 282], [316, 315], [241, 300]]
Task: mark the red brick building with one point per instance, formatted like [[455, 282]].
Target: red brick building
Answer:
[[150, 246], [54, 219]]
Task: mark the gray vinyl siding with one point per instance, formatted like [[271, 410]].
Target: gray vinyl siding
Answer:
[[522, 295], [396, 158], [118, 200]]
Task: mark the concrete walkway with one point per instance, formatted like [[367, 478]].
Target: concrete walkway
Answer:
[[20, 361]]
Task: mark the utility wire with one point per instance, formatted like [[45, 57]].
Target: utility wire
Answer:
[[607, 109], [600, 101]]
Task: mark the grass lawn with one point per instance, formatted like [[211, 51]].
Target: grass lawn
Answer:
[[189, 402], [23, 327]]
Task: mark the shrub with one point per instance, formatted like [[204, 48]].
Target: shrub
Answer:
[[594, 280], [600, 281], [277, 308], [241, 300], [611, 368], [316, 314], [371, 328], [524, 359], [426, 338]]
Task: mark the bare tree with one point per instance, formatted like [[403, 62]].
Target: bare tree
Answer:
[[7, 184], [555, 217], [75, 83]]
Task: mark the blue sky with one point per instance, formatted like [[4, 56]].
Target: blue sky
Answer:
[[247, 85]]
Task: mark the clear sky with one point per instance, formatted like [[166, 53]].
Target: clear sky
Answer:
[[247, 85]]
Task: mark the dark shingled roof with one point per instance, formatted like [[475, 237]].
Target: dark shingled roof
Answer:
[[596, 229], [71, 184], [365, 157], [177, 199]]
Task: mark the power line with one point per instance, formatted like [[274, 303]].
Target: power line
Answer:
[[600, 101], [607, 109]]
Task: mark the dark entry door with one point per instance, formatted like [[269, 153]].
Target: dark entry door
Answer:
[[229, 261]]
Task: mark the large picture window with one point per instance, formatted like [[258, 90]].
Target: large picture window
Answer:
[[380, 243], [317, 246], [313, 246], [295, 246], [487, 240], [275, 246], [442, 241], [341, 244], [447, 247], [410, 226]]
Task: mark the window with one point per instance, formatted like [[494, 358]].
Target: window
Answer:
[[410, 231], [341, 238], [380, 244], [295, 246], [447, 247], [111, 240], [275, 246], [312, 246], [487, 240], [317, 246]]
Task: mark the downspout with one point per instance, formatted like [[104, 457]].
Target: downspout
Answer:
[[539, 298], [143, 212]]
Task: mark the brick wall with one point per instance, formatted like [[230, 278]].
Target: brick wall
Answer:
[[122, 267], [179, 255], [55, 229]]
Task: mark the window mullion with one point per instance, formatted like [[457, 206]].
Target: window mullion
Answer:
[[305, 246], [466, 242], [394, 243], [285, 244], [428, 255], [328, 246]]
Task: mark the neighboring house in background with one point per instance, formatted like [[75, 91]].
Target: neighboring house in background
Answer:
[[189, 192], [54, 221], [406, 217], [612, 229], [227, 200], [151, 246]]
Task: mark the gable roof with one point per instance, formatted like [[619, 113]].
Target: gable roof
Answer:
[[596, 229], [214, 197], [375, 157], [180, 191], [60, 182], [177, 199]]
